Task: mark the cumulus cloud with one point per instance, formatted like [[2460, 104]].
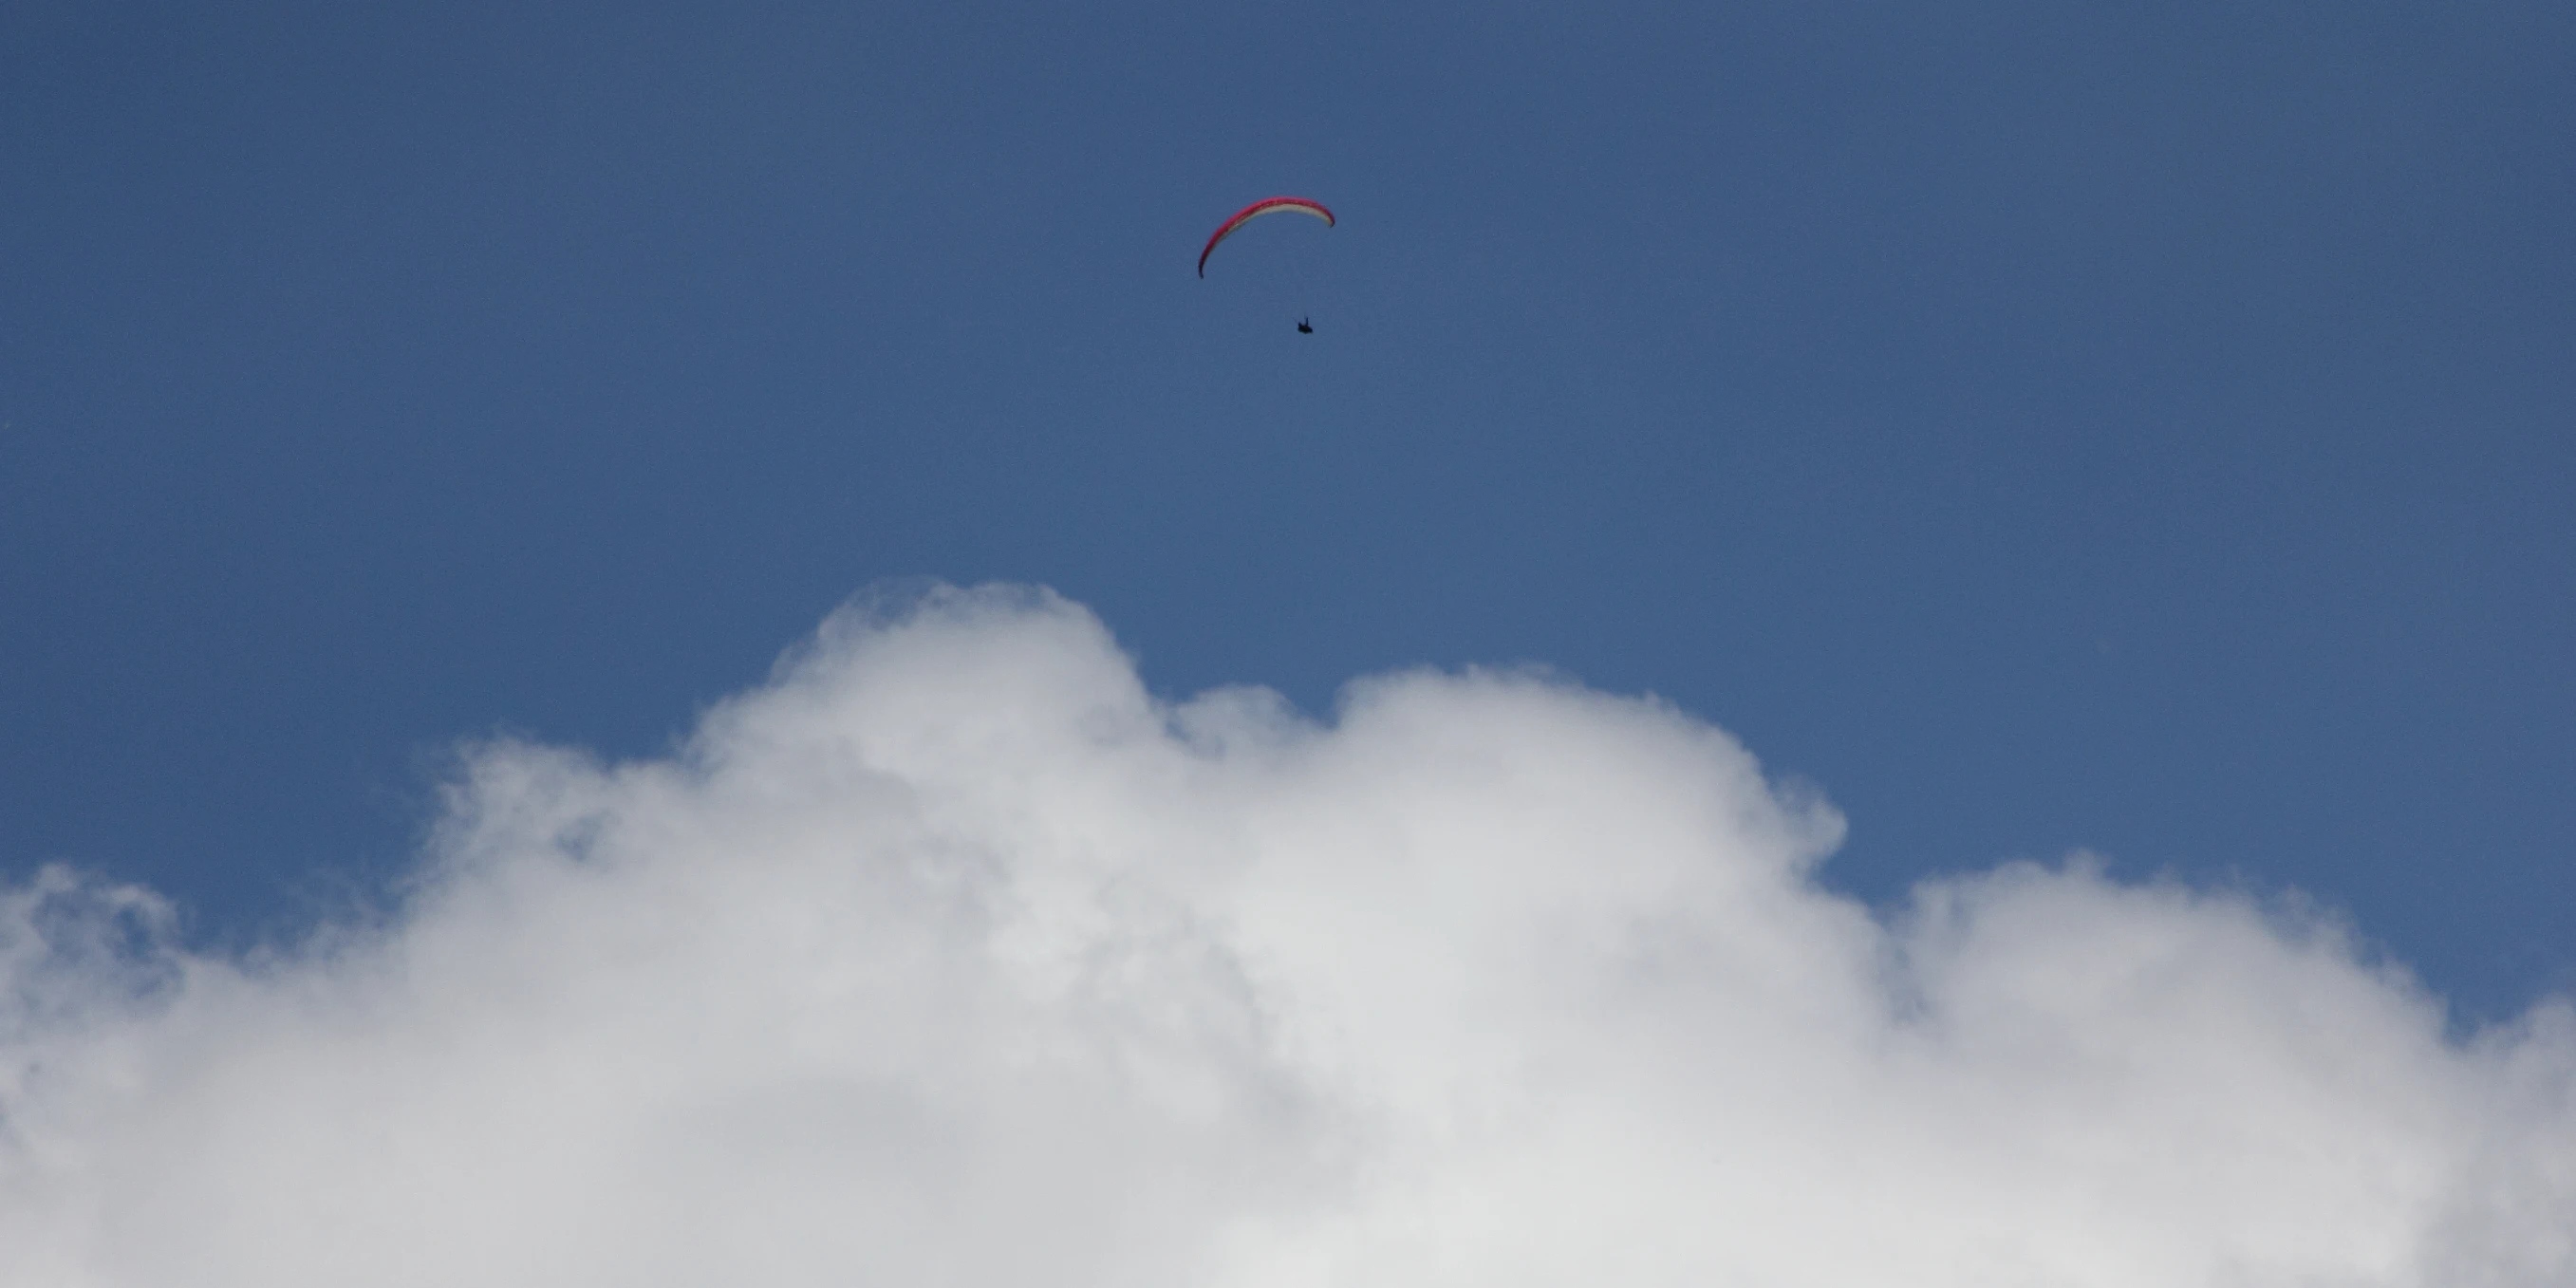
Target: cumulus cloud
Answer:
[[952, 957]]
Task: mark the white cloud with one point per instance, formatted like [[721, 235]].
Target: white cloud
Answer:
[[950, 957]]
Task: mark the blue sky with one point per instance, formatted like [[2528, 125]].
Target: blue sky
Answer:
[[2042, 427], [452, 831]]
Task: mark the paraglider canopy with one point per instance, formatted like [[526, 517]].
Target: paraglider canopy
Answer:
[[1265, 206]]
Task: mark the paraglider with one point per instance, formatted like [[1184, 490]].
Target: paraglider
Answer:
[[1265, 206]]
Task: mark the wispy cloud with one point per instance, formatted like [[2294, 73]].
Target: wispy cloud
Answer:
[[952, 957]]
